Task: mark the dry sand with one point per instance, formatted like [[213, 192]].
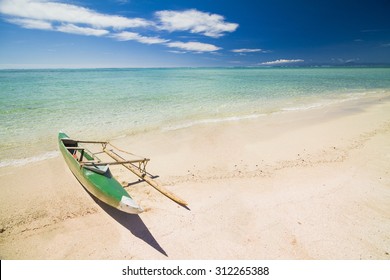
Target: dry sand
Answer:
[[310, 184]]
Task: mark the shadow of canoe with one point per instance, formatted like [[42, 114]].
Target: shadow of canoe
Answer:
[[133, 223]]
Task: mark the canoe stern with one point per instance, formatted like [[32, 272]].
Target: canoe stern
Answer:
[[128, 205]]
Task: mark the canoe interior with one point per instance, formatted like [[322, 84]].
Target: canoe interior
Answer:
[[100, 182]]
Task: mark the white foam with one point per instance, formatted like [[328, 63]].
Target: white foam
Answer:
[[25, 161], [210, 121], [305, 107], [324, 103]]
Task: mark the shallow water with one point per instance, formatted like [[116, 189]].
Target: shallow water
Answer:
[[106, 103]]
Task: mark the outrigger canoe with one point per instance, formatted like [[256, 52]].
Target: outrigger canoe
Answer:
[[95, 176]]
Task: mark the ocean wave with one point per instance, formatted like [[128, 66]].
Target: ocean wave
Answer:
[[304, 107], [328, 102], [210, 121], [25, 161]]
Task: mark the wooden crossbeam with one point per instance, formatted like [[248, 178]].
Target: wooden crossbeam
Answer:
[[116, 162], [75, 148], [147, 179], [88, 141]]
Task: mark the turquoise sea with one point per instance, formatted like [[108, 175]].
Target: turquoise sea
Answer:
[[107, 103]]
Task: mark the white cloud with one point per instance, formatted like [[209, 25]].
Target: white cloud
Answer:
[[31, 23], [127, 36], [342, 60], [74, 29], [45, 10], [61, 17], [247, 50], [193, 46], [178, 52], [282, 61], [194, 21]]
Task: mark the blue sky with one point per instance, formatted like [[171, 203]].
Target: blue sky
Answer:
[[192, 33]]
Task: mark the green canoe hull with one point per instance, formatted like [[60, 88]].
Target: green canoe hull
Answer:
[[103, 186]]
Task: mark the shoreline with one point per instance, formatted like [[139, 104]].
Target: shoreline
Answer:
[[311, 184], [224, 119]]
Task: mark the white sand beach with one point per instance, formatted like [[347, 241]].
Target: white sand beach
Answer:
[[305, 184]]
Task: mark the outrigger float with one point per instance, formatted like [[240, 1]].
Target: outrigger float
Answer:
[[96, 177]]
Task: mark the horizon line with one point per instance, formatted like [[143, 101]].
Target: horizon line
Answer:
[[196, 67]]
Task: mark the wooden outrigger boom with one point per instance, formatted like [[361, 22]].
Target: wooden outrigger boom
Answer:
[[130, 165], [146, 178]]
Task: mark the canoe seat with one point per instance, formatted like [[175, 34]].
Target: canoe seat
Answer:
[[101, 169], [73, 151]]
